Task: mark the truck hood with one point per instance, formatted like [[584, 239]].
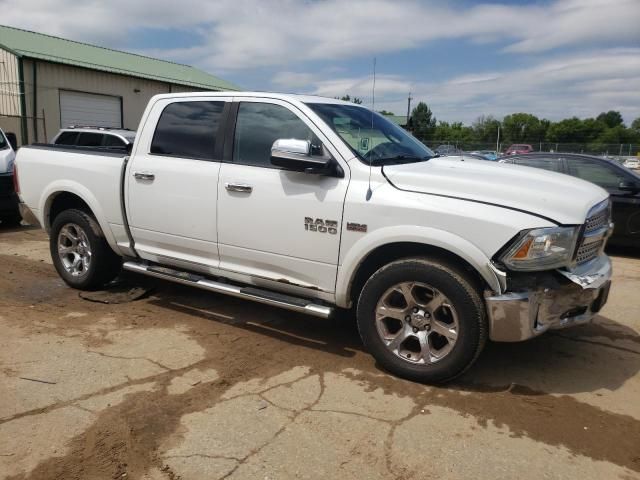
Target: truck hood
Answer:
[[6, 160], [555, 196]]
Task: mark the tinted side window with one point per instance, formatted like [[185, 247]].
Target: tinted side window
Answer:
[[188, 129], [599, 173], [552, 164], [89, 139], [259, 125], [112, 141], [67, 138], [3, 142]]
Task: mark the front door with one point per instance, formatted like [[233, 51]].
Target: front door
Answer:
[[275, 224], [172, 183]]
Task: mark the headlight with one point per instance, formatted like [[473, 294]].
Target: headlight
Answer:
[[542, 249]]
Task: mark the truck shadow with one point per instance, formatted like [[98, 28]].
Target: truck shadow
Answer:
[[600, 356], [10, 228]]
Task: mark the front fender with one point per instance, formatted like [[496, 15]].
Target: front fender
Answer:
[[448, 241]]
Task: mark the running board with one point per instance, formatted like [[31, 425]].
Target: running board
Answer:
[[249, 293]]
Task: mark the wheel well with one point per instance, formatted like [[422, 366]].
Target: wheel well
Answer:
[[64, 201], [395, 251]]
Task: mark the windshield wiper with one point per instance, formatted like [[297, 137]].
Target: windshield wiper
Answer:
[[399, 159]]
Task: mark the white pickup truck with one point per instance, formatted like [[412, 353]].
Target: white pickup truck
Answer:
[[313, 204]]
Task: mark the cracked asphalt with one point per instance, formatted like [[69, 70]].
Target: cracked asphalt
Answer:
[[181, 384]]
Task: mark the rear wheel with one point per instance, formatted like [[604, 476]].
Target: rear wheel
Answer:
[[422, 320], [80, 254]]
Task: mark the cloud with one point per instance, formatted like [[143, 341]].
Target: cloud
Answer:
[[582, 85], [240, 34], [288, 37]]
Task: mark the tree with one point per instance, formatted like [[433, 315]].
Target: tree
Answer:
[[485, 129], [635, 125], [423, 123], [347, 98], [523, 127], [612, 118]]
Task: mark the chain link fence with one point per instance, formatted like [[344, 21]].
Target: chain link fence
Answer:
[[621, 150]]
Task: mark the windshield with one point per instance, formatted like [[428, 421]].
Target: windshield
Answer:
[[373, 138], [3, 141]]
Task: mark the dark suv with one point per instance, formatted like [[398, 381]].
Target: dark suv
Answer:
[[622, 184]]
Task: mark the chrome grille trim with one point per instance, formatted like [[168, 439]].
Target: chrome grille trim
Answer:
[[595, 233]]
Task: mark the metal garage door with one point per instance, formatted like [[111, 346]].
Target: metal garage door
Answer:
[[77, 108]]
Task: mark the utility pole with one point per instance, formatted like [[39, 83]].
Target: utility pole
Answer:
[[498, 141], [408, 109]]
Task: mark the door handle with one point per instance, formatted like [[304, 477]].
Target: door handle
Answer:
[[144, 176], [238, 187]]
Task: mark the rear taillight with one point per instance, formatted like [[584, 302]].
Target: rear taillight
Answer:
[[16, 184]]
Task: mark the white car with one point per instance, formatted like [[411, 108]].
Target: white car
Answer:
[[633, 163], [103, 137], [313, 204]]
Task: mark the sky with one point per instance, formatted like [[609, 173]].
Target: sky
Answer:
[[555, 59]]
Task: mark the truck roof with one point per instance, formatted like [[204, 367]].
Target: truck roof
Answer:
[[292, 97]]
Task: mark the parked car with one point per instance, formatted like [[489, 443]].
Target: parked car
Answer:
[[446, 150], [633, 163], [95, 137], [487, 154], [276, 198], [622, 184], [9, 213], [519, 148], [474, 156]]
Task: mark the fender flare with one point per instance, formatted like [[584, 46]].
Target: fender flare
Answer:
[[427, 236], [65, 186]]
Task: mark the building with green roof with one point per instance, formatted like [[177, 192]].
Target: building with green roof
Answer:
[[47, 83]]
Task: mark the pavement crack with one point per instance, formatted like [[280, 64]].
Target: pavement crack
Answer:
[[282, 429], [204, 455], [158, 364]]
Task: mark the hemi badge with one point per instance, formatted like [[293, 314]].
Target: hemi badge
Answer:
[[357, 227]]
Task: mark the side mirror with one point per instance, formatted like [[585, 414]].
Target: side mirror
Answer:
[[12, 139], [295, 155], [629, 186]]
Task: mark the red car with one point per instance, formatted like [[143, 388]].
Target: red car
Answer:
[[518, 148]]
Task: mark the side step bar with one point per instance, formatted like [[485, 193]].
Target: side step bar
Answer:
[[249, 293]]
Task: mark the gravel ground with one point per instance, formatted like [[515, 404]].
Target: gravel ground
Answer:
[[176, 383]]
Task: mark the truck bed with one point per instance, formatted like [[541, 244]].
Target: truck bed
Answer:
[[93, 174]]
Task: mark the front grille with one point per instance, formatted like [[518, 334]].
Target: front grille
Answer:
[[592, 242], [597, 221], [589, 251]]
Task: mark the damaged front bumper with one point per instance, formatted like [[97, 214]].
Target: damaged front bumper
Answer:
[[523, 314]]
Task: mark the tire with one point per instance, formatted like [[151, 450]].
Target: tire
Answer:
[[80, 253], [422, 320]]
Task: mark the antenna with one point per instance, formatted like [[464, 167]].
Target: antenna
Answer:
[[373, 106]]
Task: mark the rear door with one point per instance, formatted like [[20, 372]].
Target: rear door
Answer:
[[172, 182]]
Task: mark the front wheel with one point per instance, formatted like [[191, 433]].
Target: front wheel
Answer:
[[81, 255], [422, 320]]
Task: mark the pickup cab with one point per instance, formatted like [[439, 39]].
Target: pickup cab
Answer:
[[313, 205]]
